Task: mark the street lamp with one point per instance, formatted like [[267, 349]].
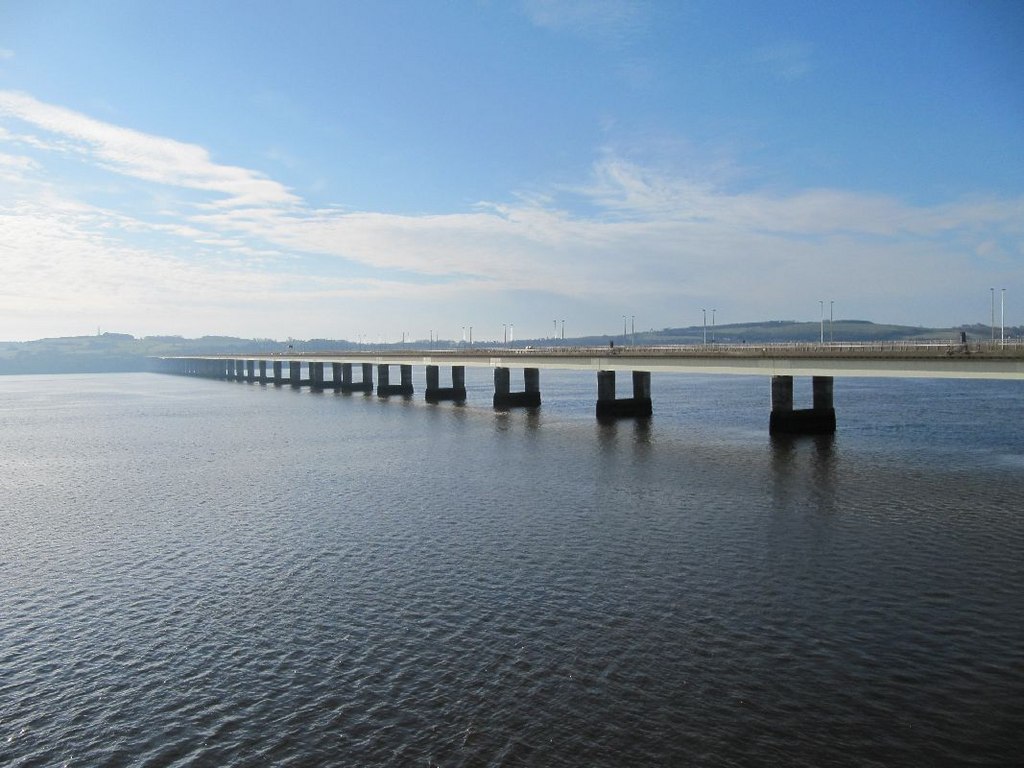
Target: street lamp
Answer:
[[504, 330], [632, 328], [705, 325], [1002, 317], [623, 329], [822, 337], [712, 326], [831, 308], [563, 330], [993, 313]]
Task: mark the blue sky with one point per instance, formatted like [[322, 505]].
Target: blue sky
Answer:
[[368, 169]]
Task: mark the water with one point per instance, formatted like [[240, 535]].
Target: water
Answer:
[[210, 573]]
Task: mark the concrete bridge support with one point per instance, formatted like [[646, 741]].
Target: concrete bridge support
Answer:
[[263, 372], [436, 393], [504, 398], [316, 376], [818, 420], [638, 406], [347, 385], [239, 370], [250, 371], [295, 373], [278, 378], [384, 386]]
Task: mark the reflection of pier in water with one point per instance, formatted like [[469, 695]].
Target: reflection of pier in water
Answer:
[[781, 363]]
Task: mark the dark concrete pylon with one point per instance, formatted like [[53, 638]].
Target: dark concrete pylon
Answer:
[[637, 406], [343, 378], [386, 389], [456, 392], [817, 420], [504, 398]]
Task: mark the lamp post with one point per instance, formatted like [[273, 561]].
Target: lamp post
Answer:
[[632, 328], [705, 313], [822, 336], [993, 326], [504, 332], [512, 333], [831, 308], [563, 330], [1002, 317], [713, 326], [554, 332], [623, 329]]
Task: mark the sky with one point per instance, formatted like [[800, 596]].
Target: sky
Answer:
[[384, 170]]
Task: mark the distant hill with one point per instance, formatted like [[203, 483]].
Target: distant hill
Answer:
[[112, 352], [787, 331]]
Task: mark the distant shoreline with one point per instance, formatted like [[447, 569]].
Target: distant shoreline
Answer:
[[124, 353]]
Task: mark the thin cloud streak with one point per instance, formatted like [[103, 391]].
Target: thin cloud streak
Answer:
[[627, 234], [143, 156]]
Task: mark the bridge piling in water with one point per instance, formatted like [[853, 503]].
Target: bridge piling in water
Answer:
[[316, 376], [386, 389], [365, 386], [456, 392], [638, 406], [505, 398], [817, 420], [780, 363]]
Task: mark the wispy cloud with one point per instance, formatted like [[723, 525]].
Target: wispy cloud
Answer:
[[602, 20], [143, 156], [5, 54], [789, 60], [629, 233]]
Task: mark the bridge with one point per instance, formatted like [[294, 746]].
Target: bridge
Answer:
[[779, 362]]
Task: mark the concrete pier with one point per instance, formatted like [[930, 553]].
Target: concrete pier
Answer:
[[250, 371], [638, 406], [263, 372], [295, 373], [817, 420], [456, 392], [505, 398], [347, 385], [386, 389], [278, 379], [316, 376]]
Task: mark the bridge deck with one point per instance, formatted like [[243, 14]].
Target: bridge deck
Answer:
[[904, 360]]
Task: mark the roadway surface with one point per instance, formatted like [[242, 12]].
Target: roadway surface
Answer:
[[987, 360]]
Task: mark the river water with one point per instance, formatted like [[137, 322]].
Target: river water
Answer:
[[196, 572]]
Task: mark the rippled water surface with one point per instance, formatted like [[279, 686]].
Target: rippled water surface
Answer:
[[211, 573]]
